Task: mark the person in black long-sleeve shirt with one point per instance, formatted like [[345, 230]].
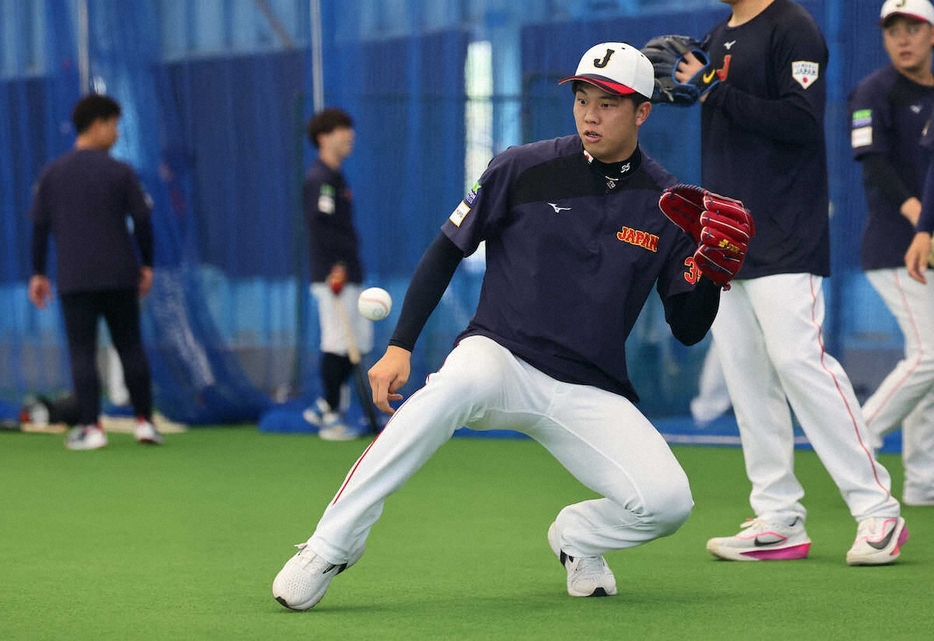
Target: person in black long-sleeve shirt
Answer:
[[336, 268], [575, 245], [83, 199], [762, 142]]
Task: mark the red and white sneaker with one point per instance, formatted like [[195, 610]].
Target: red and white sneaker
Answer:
[[878, 541], [763, 541], [86, 437], [146, 433]]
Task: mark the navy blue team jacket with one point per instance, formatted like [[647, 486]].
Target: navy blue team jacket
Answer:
[[83, 198], [570, 262], [332, 238], [888, 114]]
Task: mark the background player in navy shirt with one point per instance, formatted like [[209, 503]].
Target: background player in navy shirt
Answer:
[[336, 268], [889, 111], [762, 137], [575, 243], [83, 199]]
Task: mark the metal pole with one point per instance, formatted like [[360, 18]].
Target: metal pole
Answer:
[[84, 54], [317, 55]]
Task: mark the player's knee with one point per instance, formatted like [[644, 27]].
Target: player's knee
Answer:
[[671, 508]]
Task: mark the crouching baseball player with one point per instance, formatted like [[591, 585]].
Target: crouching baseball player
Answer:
[[575, 244]]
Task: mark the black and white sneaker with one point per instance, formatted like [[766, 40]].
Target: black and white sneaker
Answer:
[[304, 579], [587, 575]]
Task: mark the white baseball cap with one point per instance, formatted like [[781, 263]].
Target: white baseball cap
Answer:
[[617, 68], [917, 9]]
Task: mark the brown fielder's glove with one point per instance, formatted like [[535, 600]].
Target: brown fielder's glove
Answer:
[[721, 227], [665, 52]]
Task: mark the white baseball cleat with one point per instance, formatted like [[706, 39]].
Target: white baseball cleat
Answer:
[[878, 541], [587, 575], [147, 434], [763, 541], [86, 437], [303, 580]]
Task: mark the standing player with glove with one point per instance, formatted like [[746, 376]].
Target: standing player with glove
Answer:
[[336, 268], [890, 110], [575, 244], [762, 137]]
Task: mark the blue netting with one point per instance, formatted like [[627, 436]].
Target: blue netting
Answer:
[[215, 97]]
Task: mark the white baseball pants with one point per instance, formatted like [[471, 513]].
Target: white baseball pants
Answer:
[[333, 338], [600, 437], [768, 337], [906, 397]]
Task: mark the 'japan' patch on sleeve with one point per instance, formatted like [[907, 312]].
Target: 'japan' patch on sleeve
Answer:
[[861, 137], [805, 72], [459, 214]]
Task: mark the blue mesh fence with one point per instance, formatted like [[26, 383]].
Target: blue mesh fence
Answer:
[[215, 99]]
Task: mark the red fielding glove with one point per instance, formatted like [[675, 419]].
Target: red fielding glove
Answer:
[[721, 226]]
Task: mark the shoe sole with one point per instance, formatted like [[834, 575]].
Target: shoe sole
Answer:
[[790, 553], [883, 557]]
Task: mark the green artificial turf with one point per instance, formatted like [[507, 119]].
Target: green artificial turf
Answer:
[[182, 542]]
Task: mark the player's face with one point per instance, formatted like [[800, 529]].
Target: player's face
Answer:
[[339, 141], [908, 43], [607, 124], [105, 132]]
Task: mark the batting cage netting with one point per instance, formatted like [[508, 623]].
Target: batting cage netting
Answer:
[[215, 97]]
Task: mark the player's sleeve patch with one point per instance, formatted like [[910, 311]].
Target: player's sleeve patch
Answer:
[[471, 196], [861, 137], [862, 118], [459, 214], [805, 72], [326, 203]]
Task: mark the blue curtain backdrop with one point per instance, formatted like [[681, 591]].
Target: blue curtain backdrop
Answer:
[[215, 98]]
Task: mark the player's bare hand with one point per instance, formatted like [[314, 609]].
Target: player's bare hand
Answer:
[[911, 209], [145, 280], [40, 291], [389, 374], [918, 255], [688, 67]]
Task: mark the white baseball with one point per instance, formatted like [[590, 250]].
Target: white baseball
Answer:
[[374, 303]]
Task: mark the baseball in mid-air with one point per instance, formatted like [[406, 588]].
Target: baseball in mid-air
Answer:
[[374, 303]]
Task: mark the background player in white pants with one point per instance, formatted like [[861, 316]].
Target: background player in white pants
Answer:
[[762, 140], [890, 109], [336, 269], [713, 397], [575, 244]]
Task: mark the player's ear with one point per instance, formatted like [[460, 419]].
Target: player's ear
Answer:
[[642, 112]]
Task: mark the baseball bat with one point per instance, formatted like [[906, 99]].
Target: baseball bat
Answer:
[[353, 353]]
